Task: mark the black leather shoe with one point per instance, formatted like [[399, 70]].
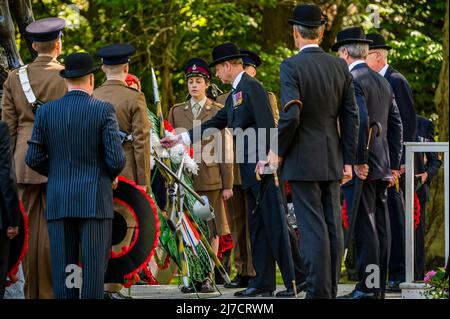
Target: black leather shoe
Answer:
[[380, 295], [393, 286], [356, 294], [191, 289], [116, 295], [253, 292], [207, 286], [238, 282], [290, 291]]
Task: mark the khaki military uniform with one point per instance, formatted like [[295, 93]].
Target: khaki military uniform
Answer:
[[47, 85], [131, 112], [213, 177]]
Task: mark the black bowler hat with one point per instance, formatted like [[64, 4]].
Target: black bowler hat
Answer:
[[225, 52], [115, 54], [350, 35], [378, 41], [308, 15], [252, 58], [197, 67], [47, 29], [78, 65]]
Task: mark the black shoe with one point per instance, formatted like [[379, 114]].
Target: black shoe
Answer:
[[290, 291], [356, 294], [238, 282], [380, 295], [219, 280], [393, 286], [116, 295], [207, 286], [191, 289], [253, 292]]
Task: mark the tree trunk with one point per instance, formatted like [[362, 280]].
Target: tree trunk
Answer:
[[435, 214], [275, 28], [336, 24]]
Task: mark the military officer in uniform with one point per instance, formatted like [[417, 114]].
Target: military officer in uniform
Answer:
[[215, 175], [248, 109], [381, 169], [131, 111], [25, 89]]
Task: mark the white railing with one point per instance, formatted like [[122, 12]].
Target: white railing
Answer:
[[410, 149]]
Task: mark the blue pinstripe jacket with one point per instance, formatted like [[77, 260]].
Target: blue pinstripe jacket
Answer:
[[76, 143]]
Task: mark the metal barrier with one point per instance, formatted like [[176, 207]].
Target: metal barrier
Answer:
[[410, 149]]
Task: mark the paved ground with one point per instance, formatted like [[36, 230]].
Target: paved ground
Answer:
[[173, 292]]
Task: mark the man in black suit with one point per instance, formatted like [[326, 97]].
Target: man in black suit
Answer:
[[427, 166], [9, 204], [248, 114], [377, 61], [315, 155], [372, 227]]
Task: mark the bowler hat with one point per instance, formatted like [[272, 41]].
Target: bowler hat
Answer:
[[225, 52], [308, 15], [78, 65], [378, 41], [350, 35]]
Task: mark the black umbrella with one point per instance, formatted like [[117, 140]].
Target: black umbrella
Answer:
[[19, 245], [137, 222], [358, 189]]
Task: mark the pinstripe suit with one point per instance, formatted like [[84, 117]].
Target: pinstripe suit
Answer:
[[75, 143]]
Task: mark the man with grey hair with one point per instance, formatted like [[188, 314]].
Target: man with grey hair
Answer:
[[381, 169], [316, 94], [377, 60]]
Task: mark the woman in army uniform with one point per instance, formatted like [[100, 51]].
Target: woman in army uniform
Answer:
[[215, 178]]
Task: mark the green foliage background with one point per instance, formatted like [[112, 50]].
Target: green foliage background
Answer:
[[167, 33]]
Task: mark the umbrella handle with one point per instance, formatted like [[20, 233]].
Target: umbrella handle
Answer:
[[275, 176]]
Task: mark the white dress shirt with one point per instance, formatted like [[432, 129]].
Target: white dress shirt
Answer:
[[355, 63], [313, 45], [383, 70], [237, 80]]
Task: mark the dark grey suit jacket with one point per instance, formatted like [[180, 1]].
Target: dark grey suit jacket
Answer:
[[426, 162], [310, 143], [385, 150]]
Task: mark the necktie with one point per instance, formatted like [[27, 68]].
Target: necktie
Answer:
[[195, 109]]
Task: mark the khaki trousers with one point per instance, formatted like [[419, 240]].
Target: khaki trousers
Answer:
[[237, 215], [37, 262]]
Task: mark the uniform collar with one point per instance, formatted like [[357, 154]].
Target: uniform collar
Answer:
[[382, 72], [45, 59], [202, 102], [114, 82], [237, 80], [355, 63]]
